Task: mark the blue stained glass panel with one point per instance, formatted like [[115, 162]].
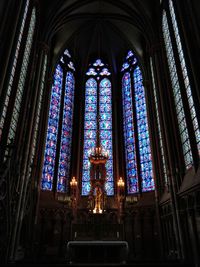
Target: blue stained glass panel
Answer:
[[86, 183], [107, 144], [90, 134], [71, 65], [185, 76], [142, 127], [105, 135], [90, 107], [109, 165], [105, 91], [90, 116], [109, 188], [90, 124], [91, 90], [105, 99], [105, 72], [106, 117], [91, 99], [105, 86], [105, 125], [89, 143], [66, 52], [91, 71], [99, 63], [90, 127], [105, 106], [129, 140], [176, 92], [51, 140], [130, 54], [66, 137]]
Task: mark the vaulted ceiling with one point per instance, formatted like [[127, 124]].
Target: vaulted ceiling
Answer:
[[99, 28]]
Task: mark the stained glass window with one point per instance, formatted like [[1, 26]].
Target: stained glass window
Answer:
[[135, 126], [14, 65], [98, 88], [22, 79], [90, 127], [143, 133], [185, 75], [52, 130], [105, 107], [177, 93], [66, 136], [60, 125], [129, 135]]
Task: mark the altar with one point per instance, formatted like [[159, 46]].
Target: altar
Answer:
[[99, 239], [95, 252], [104, 227]]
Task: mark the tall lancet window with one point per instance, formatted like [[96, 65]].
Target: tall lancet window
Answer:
[[136, 134], [181, 86], [13, 67], [57, 156], [18, 89], [98, 106]]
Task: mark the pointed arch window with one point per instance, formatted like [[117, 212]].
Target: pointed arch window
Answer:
[[98, 100], [135, 125], [19, 91], [22, 78], [185, 75], [57, 160], [180, 89], [13, 69]]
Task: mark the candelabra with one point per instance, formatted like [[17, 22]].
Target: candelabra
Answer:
[[73, 185], [74, 190], [120, 187], [120, 196], [98, 155]]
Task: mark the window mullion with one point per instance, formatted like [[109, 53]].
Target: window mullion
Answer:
[[52, 129], [55, 178], [98, 101], [176, 89], [13, 67], [191, 116], [183, 92], [135, 125]]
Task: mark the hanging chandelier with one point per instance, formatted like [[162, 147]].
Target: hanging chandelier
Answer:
[[98, 155]]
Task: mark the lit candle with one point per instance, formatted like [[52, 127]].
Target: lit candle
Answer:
[[120, 182]]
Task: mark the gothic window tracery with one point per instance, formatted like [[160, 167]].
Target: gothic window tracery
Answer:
[[57, 156], [98, 100], [136, 135], [19, 91], [181, 86]]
